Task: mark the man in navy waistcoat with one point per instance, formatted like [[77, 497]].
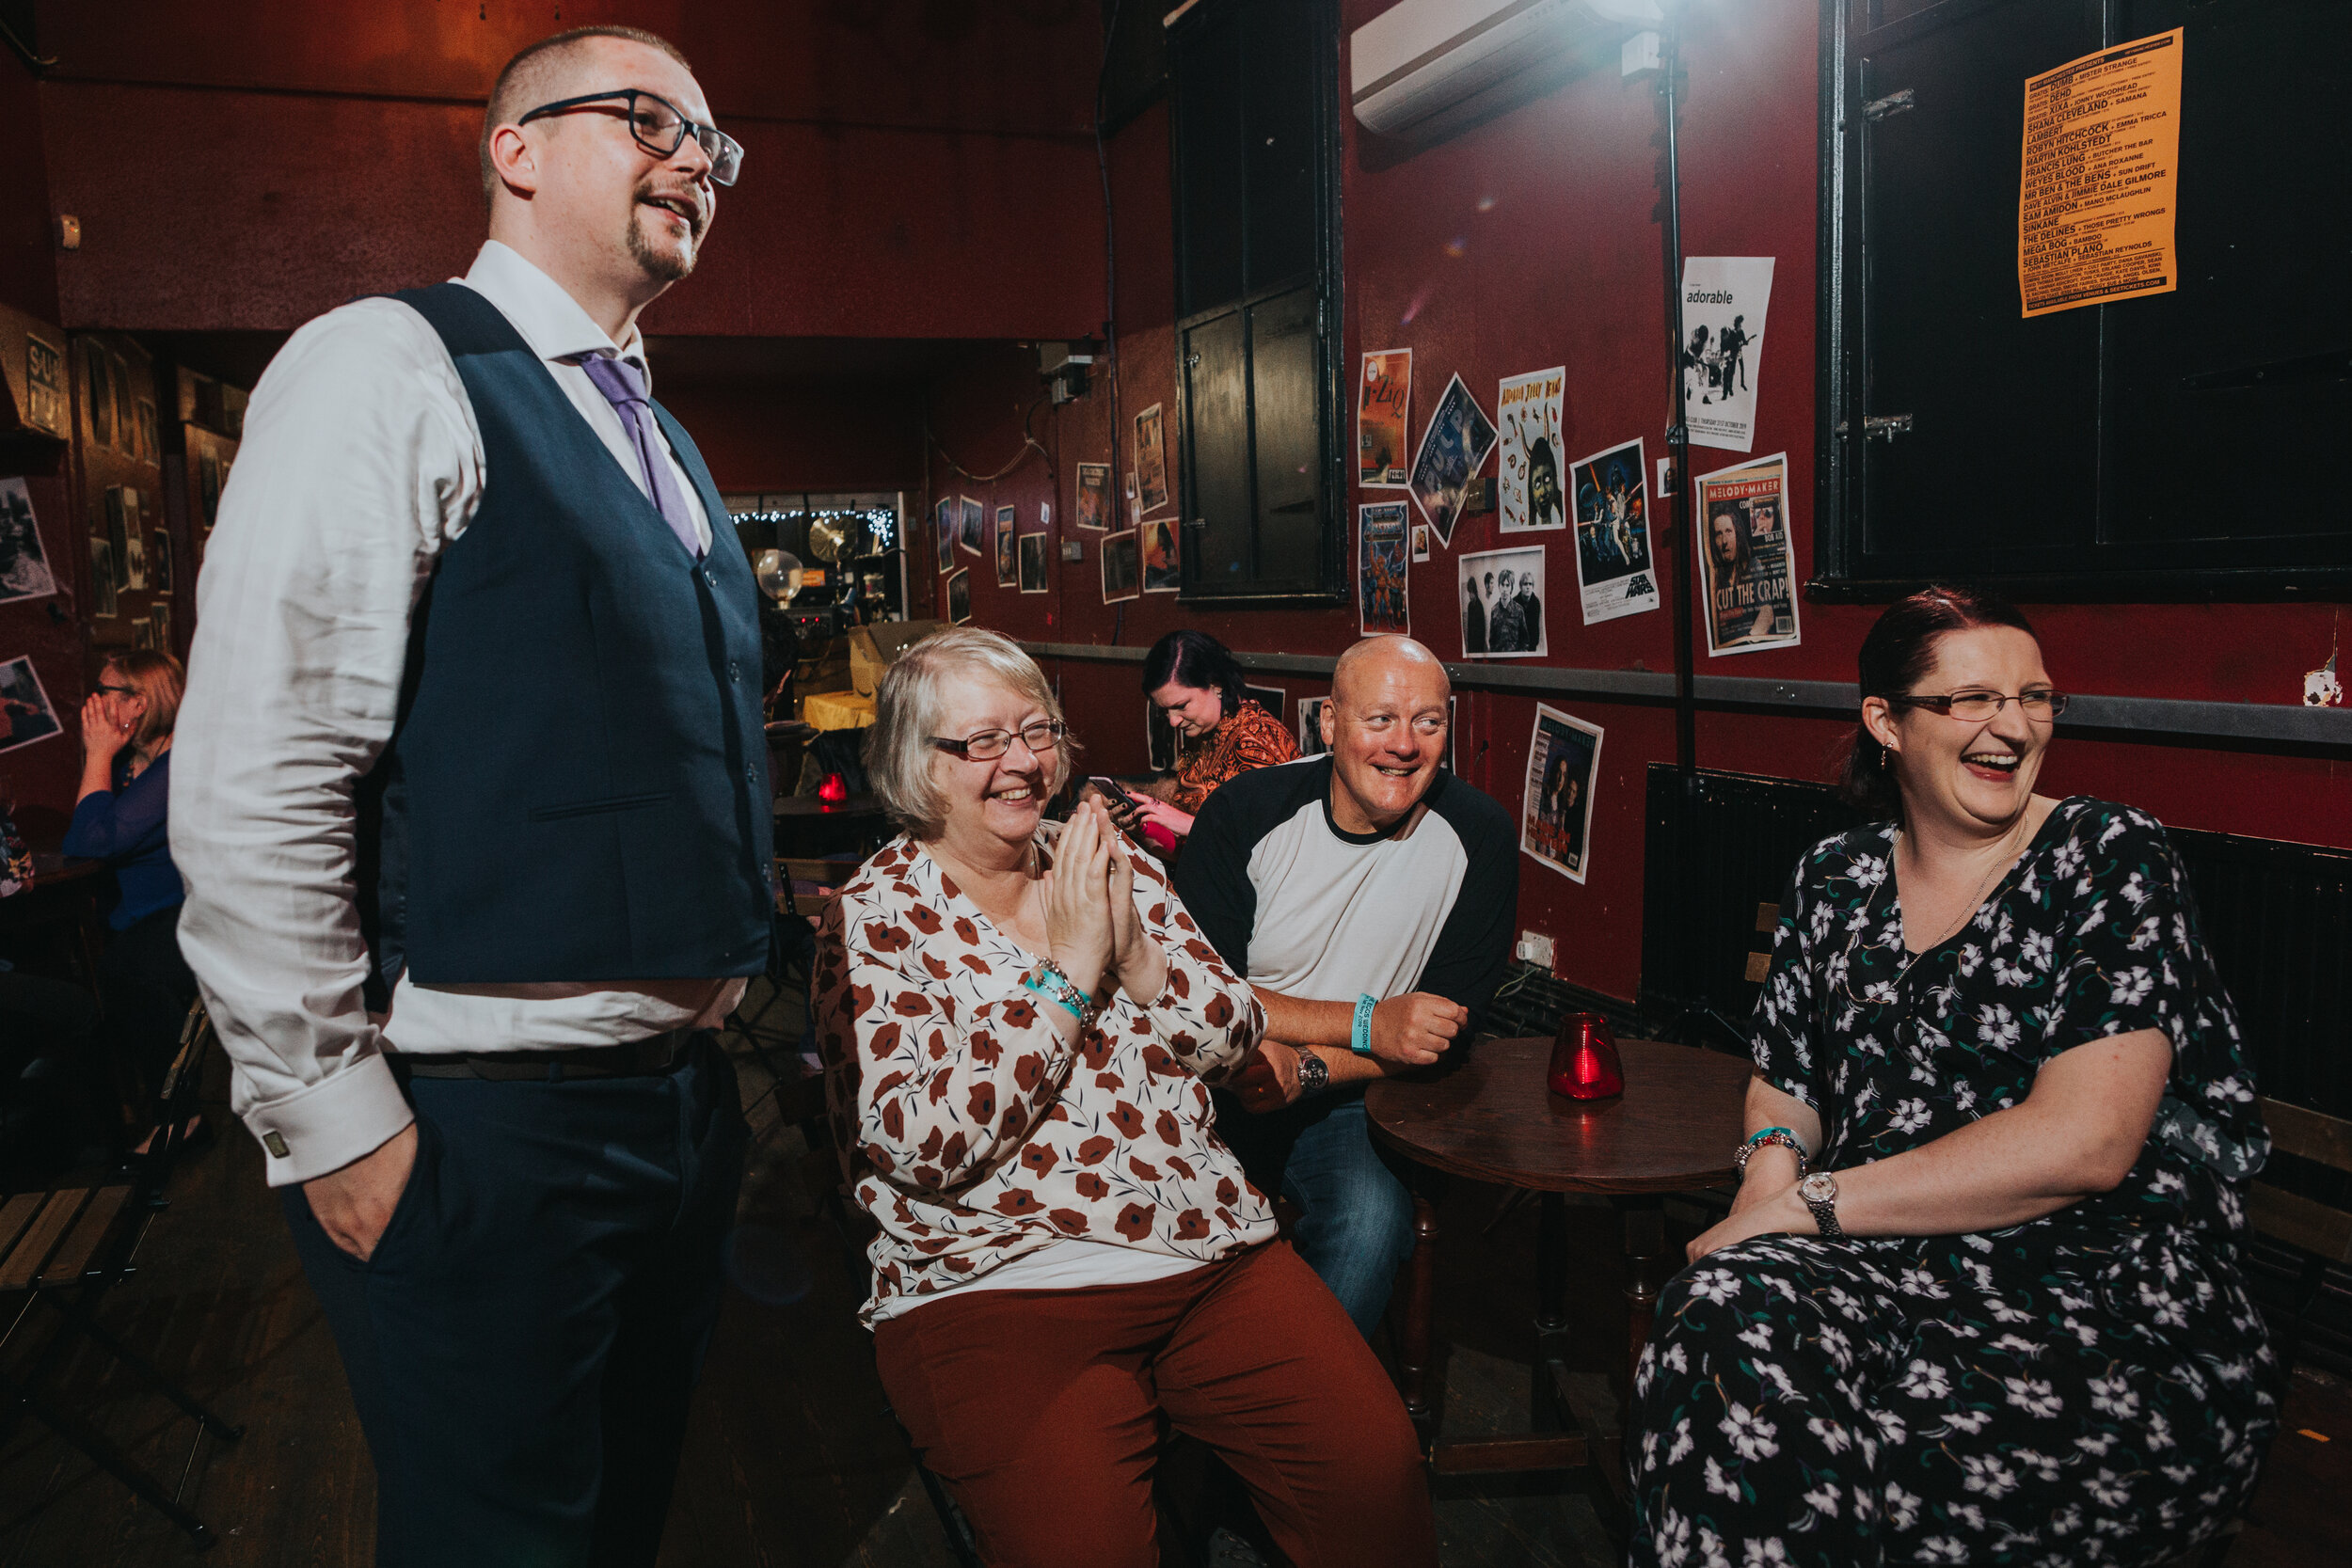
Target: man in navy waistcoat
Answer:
[[472, 796]]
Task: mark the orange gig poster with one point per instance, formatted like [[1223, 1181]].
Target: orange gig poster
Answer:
[[1383, 453], [2097, 190]]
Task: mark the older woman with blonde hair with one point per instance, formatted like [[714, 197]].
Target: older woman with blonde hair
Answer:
[[1018, 1026]]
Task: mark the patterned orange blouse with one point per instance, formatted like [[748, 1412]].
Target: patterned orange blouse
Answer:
[[1249, 738]]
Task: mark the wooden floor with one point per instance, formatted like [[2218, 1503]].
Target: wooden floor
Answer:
[[792, 1459]]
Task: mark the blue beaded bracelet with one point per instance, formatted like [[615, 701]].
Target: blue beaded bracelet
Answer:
[[1062, 996], [1359, 1038]]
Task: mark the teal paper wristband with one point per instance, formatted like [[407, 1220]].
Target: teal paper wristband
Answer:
[[1029, 983], [1359, 1038]]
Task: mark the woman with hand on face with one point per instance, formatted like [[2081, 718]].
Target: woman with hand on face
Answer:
[[1194, 682], [120, 816], [1018, 1026], [1978, 1299]]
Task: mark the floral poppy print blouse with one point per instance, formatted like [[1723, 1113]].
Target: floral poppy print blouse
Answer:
[[975, 1135]]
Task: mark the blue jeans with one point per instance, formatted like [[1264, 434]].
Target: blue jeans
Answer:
[[1356, 1218]]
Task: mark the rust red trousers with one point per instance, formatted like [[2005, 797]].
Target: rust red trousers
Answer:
[[1043, 1411]]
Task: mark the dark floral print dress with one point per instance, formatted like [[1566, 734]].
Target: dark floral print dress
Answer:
[[2094, 1387]]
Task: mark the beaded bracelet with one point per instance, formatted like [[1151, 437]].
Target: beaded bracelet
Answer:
[[1359, 1037], [1784, 1136]]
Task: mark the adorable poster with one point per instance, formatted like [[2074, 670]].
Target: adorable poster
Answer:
[[1452, 450], [1383, 407], [1151, 462], [1526, 417], [1094, 496], [1747, 590], [1722, 321], [1614, 573], [1381, 602], [1556, 811]]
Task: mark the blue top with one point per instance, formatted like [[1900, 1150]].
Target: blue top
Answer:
[[127, 830]]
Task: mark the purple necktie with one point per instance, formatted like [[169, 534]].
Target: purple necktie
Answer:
[[624, 386]]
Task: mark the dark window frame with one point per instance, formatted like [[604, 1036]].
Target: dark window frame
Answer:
[[1329, 585], [1848, 566]]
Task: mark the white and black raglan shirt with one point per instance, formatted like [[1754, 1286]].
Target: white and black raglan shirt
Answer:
[[1292, 903]]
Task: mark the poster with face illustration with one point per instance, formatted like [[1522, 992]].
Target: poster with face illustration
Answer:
[[1007, 572], [1527, 428]]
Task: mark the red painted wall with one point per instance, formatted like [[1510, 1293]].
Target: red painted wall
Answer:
[[911, 169], [1532, 241]]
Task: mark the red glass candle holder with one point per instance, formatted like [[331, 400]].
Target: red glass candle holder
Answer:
[[833, 791], [1584, 1063]]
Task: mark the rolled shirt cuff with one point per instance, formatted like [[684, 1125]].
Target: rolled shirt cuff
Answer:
[[325, 1126]]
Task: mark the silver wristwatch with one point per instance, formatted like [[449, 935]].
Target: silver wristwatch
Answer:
[[1819, 1193], [1314, 1073]]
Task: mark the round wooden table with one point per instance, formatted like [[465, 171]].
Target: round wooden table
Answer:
[[1494, 1119]]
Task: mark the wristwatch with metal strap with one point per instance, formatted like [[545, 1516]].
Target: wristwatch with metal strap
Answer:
[[1314, 1073], [1819, 1193]]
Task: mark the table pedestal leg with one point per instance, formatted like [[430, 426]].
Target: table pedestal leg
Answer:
[[1421, 1291], [1644, 1272], [1552, 1316]]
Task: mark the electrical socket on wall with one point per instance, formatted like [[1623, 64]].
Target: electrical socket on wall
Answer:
[[1535, 948]]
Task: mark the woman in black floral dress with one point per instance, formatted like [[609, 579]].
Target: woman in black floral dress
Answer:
[[2009, 1326]]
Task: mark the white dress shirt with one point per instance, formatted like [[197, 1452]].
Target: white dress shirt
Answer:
[[361, 462]]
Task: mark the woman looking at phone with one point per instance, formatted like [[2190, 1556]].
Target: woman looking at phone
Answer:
[[1195, 683]]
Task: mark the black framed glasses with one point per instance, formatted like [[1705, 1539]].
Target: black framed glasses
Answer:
[[657, 127], [988, 745], [1975, 707], [119, 691]]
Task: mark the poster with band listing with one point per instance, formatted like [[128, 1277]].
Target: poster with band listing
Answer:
[[1384, 410], [1556, 810], [1527, 415], [1747, 586], [1381, 606]]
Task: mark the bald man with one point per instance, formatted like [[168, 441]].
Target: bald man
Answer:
[[1367, 895], [468, 889]]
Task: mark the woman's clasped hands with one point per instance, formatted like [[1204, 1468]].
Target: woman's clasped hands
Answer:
[[1095, 934]]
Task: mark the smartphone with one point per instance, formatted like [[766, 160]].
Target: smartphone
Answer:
[[1110, 787]]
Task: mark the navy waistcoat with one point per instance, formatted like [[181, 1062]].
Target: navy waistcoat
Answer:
[[576, 788]]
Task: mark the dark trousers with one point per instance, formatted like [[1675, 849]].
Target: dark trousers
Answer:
[[524, 1343], [147, 986]]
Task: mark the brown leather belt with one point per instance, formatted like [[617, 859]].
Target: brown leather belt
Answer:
[[649, 1057]]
